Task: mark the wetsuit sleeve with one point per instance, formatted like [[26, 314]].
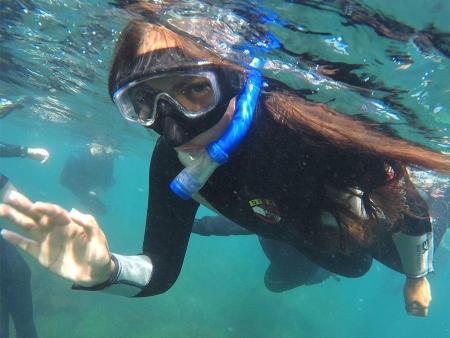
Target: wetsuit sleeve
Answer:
[[11, 150], [169, 221], [217, 226], [414, 241], [168, 227]]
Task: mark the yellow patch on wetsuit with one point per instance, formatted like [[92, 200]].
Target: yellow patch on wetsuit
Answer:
[[266, 210]]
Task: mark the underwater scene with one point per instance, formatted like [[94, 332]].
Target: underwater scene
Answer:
[[83, 101]]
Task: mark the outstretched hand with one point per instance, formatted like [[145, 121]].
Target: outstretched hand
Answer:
[[417, 296], [39, 154], [70, 244]]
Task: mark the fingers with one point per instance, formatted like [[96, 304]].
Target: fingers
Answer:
[[39, 154], [18, 201], [20, 210], [16, 217], [50, 214], [21, 242], [87, 222], [45, 156], [22, 204], [416, 309], [417, 296]]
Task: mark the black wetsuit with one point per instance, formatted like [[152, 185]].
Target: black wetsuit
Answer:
[[15, 297], [273, 184], [15, 289], [12, 150]]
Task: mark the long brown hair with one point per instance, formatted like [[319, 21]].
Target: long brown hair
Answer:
[[371, 165], [368, 160], [344, 132]]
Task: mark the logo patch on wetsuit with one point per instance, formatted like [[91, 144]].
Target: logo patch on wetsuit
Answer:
[[266, 210]]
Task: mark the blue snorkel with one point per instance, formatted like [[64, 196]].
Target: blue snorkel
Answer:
[[200, 168], [245, 108]]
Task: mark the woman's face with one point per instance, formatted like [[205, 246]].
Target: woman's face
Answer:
[[178, 104], [175, 87]]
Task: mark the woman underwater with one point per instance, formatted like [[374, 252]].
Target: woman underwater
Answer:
[[331, 186]]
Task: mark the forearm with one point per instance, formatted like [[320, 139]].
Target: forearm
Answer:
[[414, 245], [11, 150], [416, 253], [165, 240], [217, 226], [414, 241]]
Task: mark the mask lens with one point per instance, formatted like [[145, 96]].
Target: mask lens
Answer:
[[193, 94], [142, 97]]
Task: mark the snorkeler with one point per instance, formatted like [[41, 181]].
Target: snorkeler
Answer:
[[8, 106], [15, 287], [12, 150], [89, 171], [290, 170], [288, 267]]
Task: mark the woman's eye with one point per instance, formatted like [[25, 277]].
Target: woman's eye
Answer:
[[142, 96], [139, 97], [197, 89]]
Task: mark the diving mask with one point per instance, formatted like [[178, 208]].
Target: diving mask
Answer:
[[192, 93]]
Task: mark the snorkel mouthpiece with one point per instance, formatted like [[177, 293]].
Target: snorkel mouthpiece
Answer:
[[192, 178], [203, 164]]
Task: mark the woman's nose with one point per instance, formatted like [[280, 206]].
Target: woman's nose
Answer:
[[144, 112]]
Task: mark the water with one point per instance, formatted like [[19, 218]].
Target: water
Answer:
[[394, 66]]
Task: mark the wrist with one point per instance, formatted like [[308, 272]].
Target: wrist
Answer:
[[130, 276], [109, 274], [413, 280], [25, 151], [104, 278], [111, 271]]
